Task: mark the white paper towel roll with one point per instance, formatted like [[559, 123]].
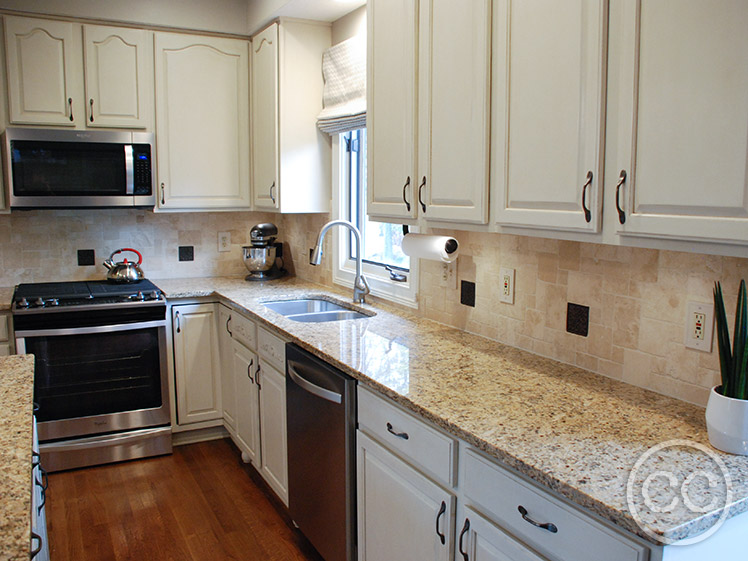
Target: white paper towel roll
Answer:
[[425, 246]]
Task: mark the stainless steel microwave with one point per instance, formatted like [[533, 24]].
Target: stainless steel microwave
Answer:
[[47, 168]]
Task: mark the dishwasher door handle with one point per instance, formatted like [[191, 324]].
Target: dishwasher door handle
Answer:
[[312, 388]]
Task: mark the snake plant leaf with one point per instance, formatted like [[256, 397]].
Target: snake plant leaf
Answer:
[[723, 339], [739, 342]]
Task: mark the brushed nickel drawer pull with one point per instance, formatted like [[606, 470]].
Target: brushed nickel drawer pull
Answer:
[[547, 526], [403, 435]]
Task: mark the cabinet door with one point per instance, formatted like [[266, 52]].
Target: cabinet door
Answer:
[[228, 385], [391, 116], [273, 429], [548, 84], [196, 363], [119, 76], [202, 121], [454, 77], [245, 366], [681, 127], [480, 540], [265, 123], [401, 513], [44, 71]]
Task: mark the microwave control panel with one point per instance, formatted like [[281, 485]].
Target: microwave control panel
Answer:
[[141, 153]]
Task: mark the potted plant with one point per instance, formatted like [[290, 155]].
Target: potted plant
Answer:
[[727, 409]]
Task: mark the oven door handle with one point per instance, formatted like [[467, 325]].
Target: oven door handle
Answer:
[[89, 330]]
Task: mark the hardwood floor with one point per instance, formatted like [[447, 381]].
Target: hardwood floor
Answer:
[[201, 503]]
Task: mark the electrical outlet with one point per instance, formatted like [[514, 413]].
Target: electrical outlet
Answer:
[[449, 275], [699, 326], [224, 241], [506, 292]]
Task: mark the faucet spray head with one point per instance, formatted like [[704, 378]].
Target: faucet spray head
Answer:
[[315, 255]]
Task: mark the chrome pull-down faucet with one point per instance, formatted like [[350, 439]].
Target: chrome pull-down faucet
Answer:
[[360, 286]]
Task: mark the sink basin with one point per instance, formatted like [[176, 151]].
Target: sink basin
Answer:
[[313, 310]]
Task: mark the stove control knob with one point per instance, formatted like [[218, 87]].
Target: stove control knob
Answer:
[[140, 296], [154, 295], [22, 303], [53, 302], [39, 303]]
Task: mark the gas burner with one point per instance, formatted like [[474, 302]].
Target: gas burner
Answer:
[[48, 297]]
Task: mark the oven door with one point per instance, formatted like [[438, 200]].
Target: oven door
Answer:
[[96, 380]]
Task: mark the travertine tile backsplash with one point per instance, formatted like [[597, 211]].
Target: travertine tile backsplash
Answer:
[[41, 245], [637, 297]]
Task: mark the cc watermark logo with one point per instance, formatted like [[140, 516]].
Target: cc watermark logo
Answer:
[[658, 494]]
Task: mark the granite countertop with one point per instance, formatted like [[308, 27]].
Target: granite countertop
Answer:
[[16, 420], [577, 433]]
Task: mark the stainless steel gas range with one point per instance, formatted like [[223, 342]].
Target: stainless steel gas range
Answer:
[[100, 385]]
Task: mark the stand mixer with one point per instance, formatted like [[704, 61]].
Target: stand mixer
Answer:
[[260, 257]]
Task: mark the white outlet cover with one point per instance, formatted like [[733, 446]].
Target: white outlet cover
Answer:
[[224, 241], [506, 285], [690, 339]]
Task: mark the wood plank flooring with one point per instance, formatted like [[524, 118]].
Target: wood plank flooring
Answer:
[[200, 503]]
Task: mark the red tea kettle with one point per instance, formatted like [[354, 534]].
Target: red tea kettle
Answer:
[[124, 271]]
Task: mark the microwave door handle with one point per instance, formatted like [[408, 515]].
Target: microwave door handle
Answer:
[[129, 171]]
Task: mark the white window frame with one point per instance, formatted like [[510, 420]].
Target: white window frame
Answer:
[[344, 268]]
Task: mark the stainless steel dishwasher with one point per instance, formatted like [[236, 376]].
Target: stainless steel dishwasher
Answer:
[[321, 415]]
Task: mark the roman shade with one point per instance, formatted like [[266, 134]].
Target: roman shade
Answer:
[[344, 95]]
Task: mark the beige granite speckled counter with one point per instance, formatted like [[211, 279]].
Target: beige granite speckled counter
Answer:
[[6, 297], [574, 432], [16, 421]]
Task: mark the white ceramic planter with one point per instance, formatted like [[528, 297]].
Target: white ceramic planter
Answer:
[[727, 423]]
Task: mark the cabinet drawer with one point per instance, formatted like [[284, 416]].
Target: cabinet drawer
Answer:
[[4, 328], [420, 444], [271, 348], [500, 493], [243, 330]]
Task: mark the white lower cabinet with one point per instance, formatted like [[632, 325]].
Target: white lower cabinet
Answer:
[[244, 367], [406, 509], [196, 363], [253, 389], [481, 540], [272, 407], [401, 513]]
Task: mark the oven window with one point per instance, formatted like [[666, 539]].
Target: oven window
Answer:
[[44, 169], [96, 374]]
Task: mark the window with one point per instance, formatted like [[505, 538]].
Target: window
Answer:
[[388, 270]]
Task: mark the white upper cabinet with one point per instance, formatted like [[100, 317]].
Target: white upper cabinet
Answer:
[[202, 122], [264, 100], [454, 78], [119, 76], [46, 61], [681, 119], [290, 155], [391, 108], [45, 84], [428, 110], [547, 125]]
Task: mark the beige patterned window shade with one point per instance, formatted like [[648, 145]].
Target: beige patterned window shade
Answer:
[[344, 95]]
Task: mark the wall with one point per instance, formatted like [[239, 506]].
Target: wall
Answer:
[[38, 246], [349, 26], [225, 16], [637, 299]]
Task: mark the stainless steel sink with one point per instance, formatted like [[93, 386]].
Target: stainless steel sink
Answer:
[[313, 310]]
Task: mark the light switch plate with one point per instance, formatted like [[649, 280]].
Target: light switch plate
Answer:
[[699, 326]]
